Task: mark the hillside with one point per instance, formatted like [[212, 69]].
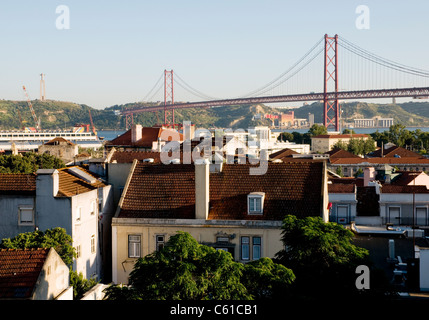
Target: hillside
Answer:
[[60, 114], [408, 114]]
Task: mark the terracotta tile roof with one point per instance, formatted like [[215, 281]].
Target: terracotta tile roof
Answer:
[[405, 177], [168, 191], [385, 160], [16, 183], [149, 135], [59, 140], [129, 156], [71, 185], [285, 153], [390, 188], [19, 271], [340, 153], [395, 150], [341, 188]]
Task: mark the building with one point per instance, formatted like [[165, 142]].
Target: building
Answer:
[[60, 148], [33, 274], [373, 122], [140, 138], [71, 198], [220, 205], [324, 143]]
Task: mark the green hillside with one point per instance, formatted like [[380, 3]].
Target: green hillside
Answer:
[[60, 114]]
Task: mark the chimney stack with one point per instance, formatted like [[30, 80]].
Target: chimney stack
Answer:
[[136, 133], [368, 175], [47, 182], [202, 191]]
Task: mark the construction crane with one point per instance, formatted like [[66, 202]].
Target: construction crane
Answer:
[[92, 124], [30, 105]]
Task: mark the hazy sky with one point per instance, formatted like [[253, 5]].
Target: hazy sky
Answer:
[[115, 51]]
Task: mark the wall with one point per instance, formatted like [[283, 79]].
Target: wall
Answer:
[[203, 231], [89, 262], [53, 279], [117, 174], [424, 267], [405, 202], [9, 224]]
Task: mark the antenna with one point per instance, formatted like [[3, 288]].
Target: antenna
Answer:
[[42, 87]]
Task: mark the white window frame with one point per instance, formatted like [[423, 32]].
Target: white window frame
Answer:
[[93, 207], [134, 246], [248, 249], [253, 198], [93, 243], [158, 244], [21, 209], [79, 214]]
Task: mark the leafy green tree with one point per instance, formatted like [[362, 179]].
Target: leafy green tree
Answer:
[[187, 270], [285, 136], [56, 238], [29, 162], [348, 131], [317, 129], [265, 279], [339, 171], [321, 255], [80, 284]]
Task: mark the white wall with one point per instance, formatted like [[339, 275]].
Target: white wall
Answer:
[[424, 269]]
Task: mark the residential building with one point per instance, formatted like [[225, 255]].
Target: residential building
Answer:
[[324, 143], [145, 138], [71, 198], [60, 148], [33, 274], [220, 205]]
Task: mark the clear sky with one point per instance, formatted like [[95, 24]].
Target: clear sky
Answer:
[[115, 51]]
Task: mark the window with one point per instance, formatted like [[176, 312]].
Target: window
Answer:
[[93, 243], [160, 241], [251, 248], [26, 215], [93, 208], [78, 251], [245, 249], [255, 203], [79, 214], [256, 249], [134, 246]]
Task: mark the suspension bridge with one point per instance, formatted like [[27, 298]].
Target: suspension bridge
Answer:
[[363, 75]]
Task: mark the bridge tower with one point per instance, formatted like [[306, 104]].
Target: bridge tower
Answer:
[[331, 111], [168, 96]]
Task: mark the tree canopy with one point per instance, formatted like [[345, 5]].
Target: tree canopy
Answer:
[[29, 162], [56, 238], [187, 270]]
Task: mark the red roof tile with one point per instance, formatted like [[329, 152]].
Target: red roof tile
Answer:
[[70, 184], [16, 183], [168, 191], [19, 271], [340, 153], [149, 135], [386, 160], [394, 151]]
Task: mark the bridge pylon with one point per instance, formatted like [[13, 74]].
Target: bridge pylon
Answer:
[[331, 107], [168, 97]]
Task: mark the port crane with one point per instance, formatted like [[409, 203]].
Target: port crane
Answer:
[[30, 105]]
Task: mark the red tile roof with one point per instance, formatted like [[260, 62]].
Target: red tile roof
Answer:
[[58, 141], [395, 151], [386, 160], [149, 135], [130, 156], [390, 188], [70, 184], [19, 271], [168, 191], [16, 183], [340, 153], [341, 188], [284, 153]]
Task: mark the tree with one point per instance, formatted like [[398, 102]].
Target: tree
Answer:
[[317, 129], [56, 238], [30, 162], [321, 255], [285, 136], [187, 270]]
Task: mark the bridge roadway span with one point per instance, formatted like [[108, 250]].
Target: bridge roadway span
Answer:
[[340, 95]]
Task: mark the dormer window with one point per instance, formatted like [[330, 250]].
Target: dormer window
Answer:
[[255, 203]]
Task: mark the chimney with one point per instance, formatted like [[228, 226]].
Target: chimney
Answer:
[[136, 133], [368, 175], [202, 182], [47, 182], [188, 130]]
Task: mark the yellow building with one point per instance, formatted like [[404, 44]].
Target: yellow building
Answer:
[[220, 205], [324, 142]]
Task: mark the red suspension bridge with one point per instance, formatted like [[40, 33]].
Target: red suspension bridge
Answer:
[[367, 75]]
